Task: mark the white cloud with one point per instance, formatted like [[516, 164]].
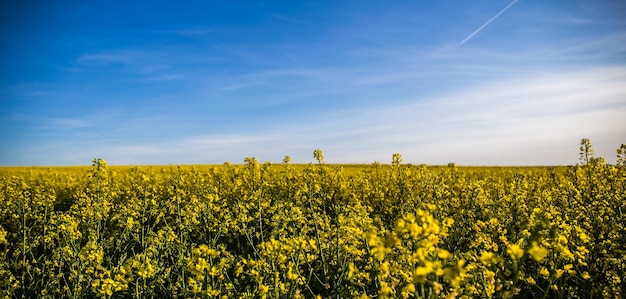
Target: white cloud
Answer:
[[433, 104], [532, 120]]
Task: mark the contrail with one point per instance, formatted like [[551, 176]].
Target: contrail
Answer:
[[485, 25]]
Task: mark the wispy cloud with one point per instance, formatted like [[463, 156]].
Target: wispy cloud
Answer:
[[522, 121], [107, 58], [287, 19], [508, 121], [69, 123], [363, 83], [164, 77], [198, 31], [572, 20], [487, 23], [29, 89]]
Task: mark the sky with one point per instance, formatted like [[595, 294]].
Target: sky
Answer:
[[495, 82]]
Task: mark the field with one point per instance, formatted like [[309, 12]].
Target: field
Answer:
[[314, 231]]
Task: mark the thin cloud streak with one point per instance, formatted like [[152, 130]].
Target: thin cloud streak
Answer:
[[488, 22]]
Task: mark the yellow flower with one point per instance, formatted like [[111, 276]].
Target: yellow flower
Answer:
[[443, 254], [559, 273], [569, 270], [400, 224], [385, 290], [3, 235], [515, 251], [407, 291], [437, 287], [351, 270], [419, 276], [488, 258], [537, 252], [409, 288], [203, 248], [291, 275], [263, 289]]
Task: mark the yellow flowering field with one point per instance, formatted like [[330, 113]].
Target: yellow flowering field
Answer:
[[315, 231]]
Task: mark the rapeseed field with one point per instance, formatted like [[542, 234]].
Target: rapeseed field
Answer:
[[315, 231]]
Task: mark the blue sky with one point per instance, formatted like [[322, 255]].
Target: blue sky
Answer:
[[151, 82]]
